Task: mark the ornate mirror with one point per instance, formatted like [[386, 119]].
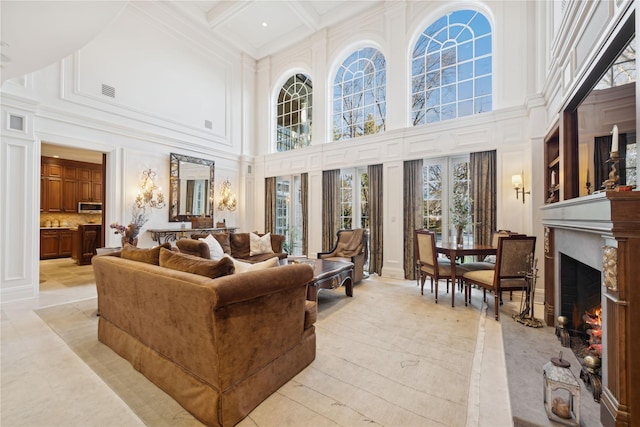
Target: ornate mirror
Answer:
[[191, 187]]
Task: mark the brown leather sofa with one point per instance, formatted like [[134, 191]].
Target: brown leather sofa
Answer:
[[235, 244], [352, 246], [218, 346]]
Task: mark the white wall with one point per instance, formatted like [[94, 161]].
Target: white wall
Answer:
[[393, 28], [167, 83]]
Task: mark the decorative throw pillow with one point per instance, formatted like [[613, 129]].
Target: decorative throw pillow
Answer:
[[259, 245], [243, 267], [148, 255], [196, 265], [215, 249]]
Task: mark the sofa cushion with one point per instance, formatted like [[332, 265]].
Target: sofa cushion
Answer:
[[239, 245], [259, 245], [243, 267], [223, 239], [196, 265], [215, 249], [148, 255]]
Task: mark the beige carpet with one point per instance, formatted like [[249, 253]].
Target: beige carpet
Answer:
[[387, 356]]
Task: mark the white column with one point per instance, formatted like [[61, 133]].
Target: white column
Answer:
[[393, 230]]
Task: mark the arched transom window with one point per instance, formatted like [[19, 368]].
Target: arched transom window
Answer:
[[359, 95], [451, 68], [293, 122]]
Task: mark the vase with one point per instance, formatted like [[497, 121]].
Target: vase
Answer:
[[460, 235], [130, 240]]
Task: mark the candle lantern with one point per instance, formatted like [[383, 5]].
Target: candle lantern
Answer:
[[561, 392]]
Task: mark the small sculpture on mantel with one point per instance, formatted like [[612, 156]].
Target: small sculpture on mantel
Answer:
[[614, 159]]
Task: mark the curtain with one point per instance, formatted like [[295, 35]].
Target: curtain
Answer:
[[602, 147], [483, 193], [269, 204], [413, 211], [304, 196], [330, 207], [375, 218]]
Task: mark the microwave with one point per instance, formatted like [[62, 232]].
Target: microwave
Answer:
[[90, 207]]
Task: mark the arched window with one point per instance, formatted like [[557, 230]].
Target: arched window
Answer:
[[293, 121], [359, 95], [451, 68]]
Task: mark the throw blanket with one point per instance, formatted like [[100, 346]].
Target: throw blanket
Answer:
[[355, 241]]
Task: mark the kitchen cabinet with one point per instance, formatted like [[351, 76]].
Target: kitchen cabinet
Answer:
[[90, 186], [64, 183], [56, 243]]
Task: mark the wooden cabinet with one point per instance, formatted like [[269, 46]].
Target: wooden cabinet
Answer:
[[86, 241], [70, 196], [56, 243], [64, 183], [53, 194]]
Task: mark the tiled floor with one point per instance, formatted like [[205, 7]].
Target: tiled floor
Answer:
[[45, 383]]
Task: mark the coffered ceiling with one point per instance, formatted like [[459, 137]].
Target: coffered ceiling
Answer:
[[263, 27], [35, 34]]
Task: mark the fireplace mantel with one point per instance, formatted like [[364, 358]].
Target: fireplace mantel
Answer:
[[604, 230]]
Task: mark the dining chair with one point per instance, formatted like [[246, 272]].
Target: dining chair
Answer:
[[429, 264], [513, 261]]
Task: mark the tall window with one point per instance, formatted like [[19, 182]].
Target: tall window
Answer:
[[441, 178], [293, 121], [451, 68], [354, 198], [289, 212], [359, 95]]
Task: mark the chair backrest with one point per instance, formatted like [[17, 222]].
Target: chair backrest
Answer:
[[514, 255], [425, 249], [351, 242]]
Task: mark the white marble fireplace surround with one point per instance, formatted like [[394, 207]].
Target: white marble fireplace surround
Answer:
[[581, 227]]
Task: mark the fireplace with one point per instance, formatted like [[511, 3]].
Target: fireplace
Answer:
[[591, 246], [579, 292]]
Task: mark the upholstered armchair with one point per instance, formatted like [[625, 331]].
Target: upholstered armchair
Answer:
[[352, 246]]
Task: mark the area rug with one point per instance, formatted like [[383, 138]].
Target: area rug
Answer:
[[388, 356], [77, 324], [527, 350]]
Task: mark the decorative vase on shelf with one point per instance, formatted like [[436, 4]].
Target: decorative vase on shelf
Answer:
[[460, 235]]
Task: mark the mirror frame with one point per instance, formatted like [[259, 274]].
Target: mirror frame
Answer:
[[174, 179]]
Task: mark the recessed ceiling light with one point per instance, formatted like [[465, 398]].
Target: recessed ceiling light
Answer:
[[264, 24], [56, 156]]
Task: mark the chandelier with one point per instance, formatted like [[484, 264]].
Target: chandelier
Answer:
[[149, 194], [227, 200]]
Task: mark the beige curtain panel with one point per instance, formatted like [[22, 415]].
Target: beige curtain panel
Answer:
[[330, 207], [375, 218], [413, 211], [269, 204], [482, 171]]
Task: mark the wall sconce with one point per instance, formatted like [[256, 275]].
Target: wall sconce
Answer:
[[227, 200], [518, 183], [149, 194]]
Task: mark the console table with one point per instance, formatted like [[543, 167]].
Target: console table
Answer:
[[172, 234]]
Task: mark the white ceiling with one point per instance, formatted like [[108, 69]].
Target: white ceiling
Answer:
[[35, 34], [241, 22]]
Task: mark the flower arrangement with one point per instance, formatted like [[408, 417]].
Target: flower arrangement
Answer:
[[460, 213], [130, 233], [461, 209]]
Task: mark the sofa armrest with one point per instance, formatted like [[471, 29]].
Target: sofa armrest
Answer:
[[241, 287]]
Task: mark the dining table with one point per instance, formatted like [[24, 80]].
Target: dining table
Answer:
[[453, 251]]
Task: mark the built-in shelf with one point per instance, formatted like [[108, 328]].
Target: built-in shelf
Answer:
[[552, 172]]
